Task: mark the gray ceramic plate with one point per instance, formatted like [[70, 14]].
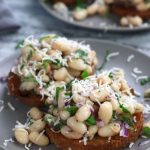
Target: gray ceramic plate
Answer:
[[95, 22], [9, 117]]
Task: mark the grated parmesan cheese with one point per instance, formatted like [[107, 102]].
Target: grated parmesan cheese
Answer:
[[130, 58], [137, 71], [11, 106], [112, 55], [134, 75], [131, 145], [26, 147]]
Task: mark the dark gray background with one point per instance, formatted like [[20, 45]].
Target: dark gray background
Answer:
[[35, 20]]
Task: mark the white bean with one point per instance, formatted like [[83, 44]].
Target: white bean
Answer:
[[116, 86], [79, 127], [142, 7], [60, 74], [36, 57], [35, 113], [102, 9], [115, 104], [80, 14], [138, 107], [22, 135], [45, 78], [65, 47], [38, 139], [83, 113], [77, 64], [68, 133], [64, 115], [99, 95], [61, 101], [78, 98], [124, 21], [92, 9], [135, 21], [74, 73], [27, 86], [92, 130], [89, 69], [109, 130], [38, 126], [105, 112], [55, 112]]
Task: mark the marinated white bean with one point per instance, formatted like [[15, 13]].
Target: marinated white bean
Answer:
[[83, 113], [22, 135], [27, 86], [80, 14], [92, 9], [76, 126], [105, 112], [138, 107], [38, 139], [109, 130], [77, 64], [35, 113], [92, 130], [68, 133], [38, 126], [147, 93], [60, 74], [64, 115]]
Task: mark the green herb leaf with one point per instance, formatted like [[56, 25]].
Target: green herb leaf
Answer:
[[110, 75], [80, 53], [29, 78], [48, 119], [45, 64], [57, 63], [104, 61], [145, 81], [58, 127], [146, 131], [80, 4], [69, 84], [127, 118], [30, 54], [72, 110], [48, 37], [19, 44], [84, 74], [91, 121], [68, 94], [58, 91]]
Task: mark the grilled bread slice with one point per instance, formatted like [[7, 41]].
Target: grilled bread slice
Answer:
[[27, 98], [98, 143]]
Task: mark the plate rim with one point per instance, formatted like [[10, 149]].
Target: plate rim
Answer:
[[117, 30]]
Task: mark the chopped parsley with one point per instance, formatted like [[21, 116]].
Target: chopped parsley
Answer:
[[30, 54], [127, 118], [72, 110], [68, 94], [104, 61], [48, 37], [145, 81], [45, 64], [68, 85], [146, 131], [58, 127], [57, 63], [58, 91], [84, 74], [29, 78], [48, 119], [91, 121], [19, 44], [80, 4], [110, 75], [80, 53]]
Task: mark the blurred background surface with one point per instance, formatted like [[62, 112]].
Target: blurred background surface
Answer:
[[34, 20]]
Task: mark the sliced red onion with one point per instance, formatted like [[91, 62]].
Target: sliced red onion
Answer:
[[100, 123], [124, 131], [67, 103], [79, 104]]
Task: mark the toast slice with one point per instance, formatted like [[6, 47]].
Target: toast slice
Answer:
[[98, 143], [29, 99]]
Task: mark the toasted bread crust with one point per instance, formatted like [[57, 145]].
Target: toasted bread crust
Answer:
[[129, 11], [13, 87], [98, 143]]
